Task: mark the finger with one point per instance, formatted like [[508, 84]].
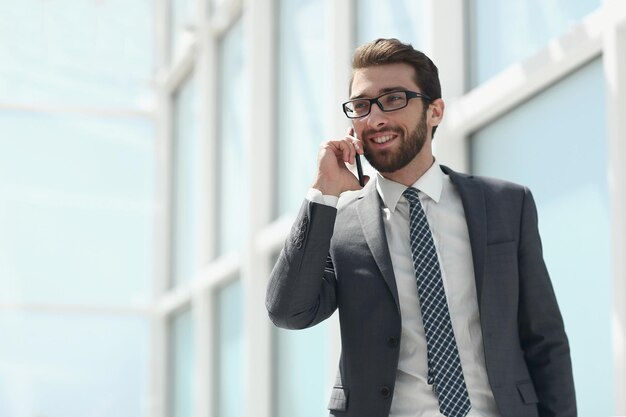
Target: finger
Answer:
[[354, 149], [347, 149], [344, 149], [356, 143], [348, 153], [339, 147]]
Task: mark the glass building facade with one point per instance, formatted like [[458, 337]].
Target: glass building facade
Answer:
[[154, 153]]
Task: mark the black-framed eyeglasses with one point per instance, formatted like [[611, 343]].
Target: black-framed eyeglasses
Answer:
[[395, 100]]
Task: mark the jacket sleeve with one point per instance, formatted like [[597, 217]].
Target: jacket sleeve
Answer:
[[542, 332], [301, 289]]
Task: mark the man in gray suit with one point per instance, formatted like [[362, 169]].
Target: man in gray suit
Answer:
[[445, 303]]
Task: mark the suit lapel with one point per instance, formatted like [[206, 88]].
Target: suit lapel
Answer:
[[370, 216], [473, 199]]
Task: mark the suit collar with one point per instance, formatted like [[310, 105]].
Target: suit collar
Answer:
[[369, 206], [430, 184]]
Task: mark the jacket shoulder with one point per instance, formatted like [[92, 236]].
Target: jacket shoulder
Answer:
[[488, 184]]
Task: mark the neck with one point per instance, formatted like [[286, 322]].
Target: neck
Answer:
[[410, 173]]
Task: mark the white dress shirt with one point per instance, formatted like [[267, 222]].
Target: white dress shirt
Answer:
[[413, 397]]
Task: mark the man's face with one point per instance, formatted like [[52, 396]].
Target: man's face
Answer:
[[391, 140]]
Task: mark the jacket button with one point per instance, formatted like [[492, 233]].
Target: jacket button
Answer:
[[392, 342], [385, 391]]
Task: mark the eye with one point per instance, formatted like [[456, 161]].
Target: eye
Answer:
[[360, 105], [393, 98]]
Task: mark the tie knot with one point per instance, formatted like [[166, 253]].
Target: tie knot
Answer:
[[411, 195]]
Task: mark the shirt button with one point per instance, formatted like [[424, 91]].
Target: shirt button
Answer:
[[385, 391], [392, 342]]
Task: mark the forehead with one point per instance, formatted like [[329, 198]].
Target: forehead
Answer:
[[372, 81]]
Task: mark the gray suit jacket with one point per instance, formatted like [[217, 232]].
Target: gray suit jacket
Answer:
[[340, 259]]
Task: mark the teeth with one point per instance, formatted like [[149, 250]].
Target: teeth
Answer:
[[383, 139]]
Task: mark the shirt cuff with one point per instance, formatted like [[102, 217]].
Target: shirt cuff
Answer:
[[314, 195]]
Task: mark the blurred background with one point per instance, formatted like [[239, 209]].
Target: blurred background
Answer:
[[153, 154]]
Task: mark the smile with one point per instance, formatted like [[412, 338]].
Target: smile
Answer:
[[383, 139]]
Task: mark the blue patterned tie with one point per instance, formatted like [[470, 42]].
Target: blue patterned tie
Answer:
[[444, 365]]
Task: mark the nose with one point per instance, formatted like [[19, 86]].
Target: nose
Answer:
[[377, 117]]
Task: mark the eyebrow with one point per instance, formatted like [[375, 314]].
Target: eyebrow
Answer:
[[382, 91]]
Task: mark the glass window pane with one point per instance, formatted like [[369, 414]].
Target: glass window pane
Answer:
[[556, 143], [504, 32], [181, 26], [301, 355], [76, 209], [401, 19], [214, 5], [302, 94], [234, 188], [189, 186], [92, 53], [58, 365], [181, 365], [229, 359]]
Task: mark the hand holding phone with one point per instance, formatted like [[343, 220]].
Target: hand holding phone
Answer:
[[333, 173]]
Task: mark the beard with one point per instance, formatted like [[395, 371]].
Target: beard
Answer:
[[390, 160]]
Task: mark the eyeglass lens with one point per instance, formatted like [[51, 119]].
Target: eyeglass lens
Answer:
[[387, 102]]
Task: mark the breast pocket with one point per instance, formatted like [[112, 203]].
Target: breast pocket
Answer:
[[501, 258]]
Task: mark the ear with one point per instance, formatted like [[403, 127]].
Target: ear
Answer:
[[435, 112]]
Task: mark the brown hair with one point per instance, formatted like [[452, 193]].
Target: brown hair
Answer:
[[392, 51]]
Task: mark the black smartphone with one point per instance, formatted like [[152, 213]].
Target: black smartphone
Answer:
[[359, 170]]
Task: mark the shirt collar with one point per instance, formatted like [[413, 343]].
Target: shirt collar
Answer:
[[430, 183]]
